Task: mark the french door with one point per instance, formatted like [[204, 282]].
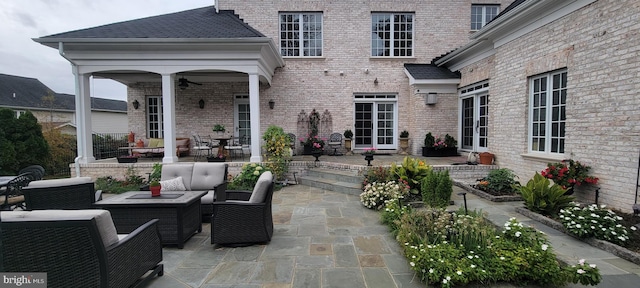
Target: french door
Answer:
[[376, 125], [475, 122], [242, 118]]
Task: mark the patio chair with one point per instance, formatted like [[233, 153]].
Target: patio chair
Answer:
[[335, 141], [79, 248], [66, 193], [200, 148], [11, 195], [37, 172], [236, 147], [242, 218]]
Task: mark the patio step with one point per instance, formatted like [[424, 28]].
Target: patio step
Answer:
[[333, 180]]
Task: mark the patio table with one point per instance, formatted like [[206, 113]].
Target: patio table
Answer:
[[178, 212]]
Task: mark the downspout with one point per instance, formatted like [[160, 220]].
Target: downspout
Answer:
[[76, 162]]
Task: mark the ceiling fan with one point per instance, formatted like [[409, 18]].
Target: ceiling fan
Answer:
[[183, 83]]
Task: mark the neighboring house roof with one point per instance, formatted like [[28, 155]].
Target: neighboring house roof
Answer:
[[429, 71], [27, 93], [196, 23]]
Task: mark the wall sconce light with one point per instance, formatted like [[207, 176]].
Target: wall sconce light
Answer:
[[341, 73], [431, 99], [326, 71], [375, 82], [366, 70], [201, 104], [272, 104], [136, 104]]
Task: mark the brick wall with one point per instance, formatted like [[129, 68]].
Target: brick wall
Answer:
[[599, 46]]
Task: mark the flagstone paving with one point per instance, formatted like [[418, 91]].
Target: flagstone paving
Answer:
[[326, 239]]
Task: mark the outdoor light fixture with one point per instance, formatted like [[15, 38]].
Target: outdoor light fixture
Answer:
[[464, 196], [375, 82], [136, 104], [201, 103], [431, 99], [272, 104]]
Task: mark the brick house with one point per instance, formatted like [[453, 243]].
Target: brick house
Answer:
[[562, 80], [348, 64]]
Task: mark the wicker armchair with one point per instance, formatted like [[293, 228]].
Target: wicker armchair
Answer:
[[242, 218], [79, 248], [69, 193]]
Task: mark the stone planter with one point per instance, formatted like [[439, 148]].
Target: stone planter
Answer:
[[347, 146], [404, 146], [444, 152]]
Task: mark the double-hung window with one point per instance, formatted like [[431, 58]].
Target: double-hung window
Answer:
[[392, 34], [481, 14], [301, 34], [547, 112]]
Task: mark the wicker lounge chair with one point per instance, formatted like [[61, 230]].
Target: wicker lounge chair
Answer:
[[68, 193], [242, 218], [79, 248]]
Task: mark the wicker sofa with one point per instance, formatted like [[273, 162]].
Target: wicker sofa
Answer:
[[155, 146], [67, 193], [79, 248], [198, 176]]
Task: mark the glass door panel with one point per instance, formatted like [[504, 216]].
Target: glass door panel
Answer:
[[242, 119], [364, 125]]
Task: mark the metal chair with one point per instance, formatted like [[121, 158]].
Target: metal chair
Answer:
[[11, 195], [199, 147], [37, 172], [335, 141], [235, 146]]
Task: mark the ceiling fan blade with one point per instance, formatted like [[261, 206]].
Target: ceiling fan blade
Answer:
[[193, 82]]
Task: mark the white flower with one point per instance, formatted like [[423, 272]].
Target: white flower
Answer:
[[501, 258], [444, 281], [473, 266], [459, 272], [545, 247], [431, 270], [633, 228], [580, 271], [412, 264], [448, 278], [581, 261], [518, 234]]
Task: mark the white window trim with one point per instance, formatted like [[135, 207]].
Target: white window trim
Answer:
[[300, 34], [392, 47], [160, 117], [484, 13], [543, 155]]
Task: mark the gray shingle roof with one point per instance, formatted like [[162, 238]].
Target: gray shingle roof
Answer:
[[429, 71], [196, 23], [16, 91]]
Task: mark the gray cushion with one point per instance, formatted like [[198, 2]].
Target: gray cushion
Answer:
[[208, 198], [170, 171], [59, 182], [260, 190], [103, 220], [207, 175]]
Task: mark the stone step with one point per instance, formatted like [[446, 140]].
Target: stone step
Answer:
[[336, 175], [331, 185]]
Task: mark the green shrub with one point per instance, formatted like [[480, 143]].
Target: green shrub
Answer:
[[248, 177], [392, 213], [429, 140], [132, 182], [22, 143], [411, 171], [278, 151], [156, 173], [541, 197], [437, 189], [499, 182], [377, 174], [594, 221]]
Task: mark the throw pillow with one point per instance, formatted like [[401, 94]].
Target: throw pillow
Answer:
[[174, 184], [153, 142], [140, 143], [160, 143]]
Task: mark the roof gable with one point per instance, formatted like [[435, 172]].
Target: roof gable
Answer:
[[196, 23], [23, 92]]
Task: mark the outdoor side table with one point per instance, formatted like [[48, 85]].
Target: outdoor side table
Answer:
[[178, 212]]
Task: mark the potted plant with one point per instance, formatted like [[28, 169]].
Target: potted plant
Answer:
[[154, 187], [440, 146], [368, 154], [311, 143], [347, 141], [568, 173], [404, 142], [219, 128]]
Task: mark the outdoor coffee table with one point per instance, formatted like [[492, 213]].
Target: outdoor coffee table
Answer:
[[178, 212]]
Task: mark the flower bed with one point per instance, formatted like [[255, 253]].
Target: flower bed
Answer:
[[485, 195], [617, 250]]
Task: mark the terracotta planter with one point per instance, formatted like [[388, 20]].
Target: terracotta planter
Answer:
[[155, 190], [486, 158]]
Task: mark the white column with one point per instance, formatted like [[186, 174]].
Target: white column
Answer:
[[169, 118], [83, 117], [254, 107]]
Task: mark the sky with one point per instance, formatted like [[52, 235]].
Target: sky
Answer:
[[23, 20]]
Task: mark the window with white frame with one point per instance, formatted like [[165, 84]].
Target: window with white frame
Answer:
[[392, 34], [154, 117], [301, 34], [547, 112], [481, 14]]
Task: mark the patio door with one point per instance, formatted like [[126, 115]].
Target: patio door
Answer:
[[475, 122], [242, 118], [375, 122]]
